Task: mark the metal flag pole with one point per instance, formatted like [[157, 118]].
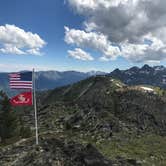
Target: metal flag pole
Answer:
[[35, 106]]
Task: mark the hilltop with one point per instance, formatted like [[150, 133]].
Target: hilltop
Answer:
[[126, 124], [139, 108], [119, 120]]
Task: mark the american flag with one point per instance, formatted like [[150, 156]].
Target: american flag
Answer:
[[20, 80]]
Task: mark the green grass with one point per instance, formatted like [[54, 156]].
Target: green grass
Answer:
[[150, 149]]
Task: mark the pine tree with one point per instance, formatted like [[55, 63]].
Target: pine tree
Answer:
[[8, 119]]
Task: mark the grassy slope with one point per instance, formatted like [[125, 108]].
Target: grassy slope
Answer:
[[148, 148]]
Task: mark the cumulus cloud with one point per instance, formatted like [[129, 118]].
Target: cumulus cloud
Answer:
[[137, 27], [93, 40], [14, 40], [10, 49], [80, 54]]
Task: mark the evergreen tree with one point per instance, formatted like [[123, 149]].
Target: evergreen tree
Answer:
[[8, 120]]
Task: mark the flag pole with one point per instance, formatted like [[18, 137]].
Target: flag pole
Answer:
[[35, 107]]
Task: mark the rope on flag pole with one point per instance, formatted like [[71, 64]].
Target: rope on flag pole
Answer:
[[35, 107]]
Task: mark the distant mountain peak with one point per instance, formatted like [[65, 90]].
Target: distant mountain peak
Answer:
[[155, 76], [146, 67], [134, 68], [159, 67], [117, 70]]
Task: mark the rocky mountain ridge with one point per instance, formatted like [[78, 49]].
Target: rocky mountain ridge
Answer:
[[154, 76], [126, 124], [103, 94]]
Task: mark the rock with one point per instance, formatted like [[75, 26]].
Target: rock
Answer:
[[51, 151]]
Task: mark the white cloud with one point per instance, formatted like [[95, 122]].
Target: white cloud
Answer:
[[82, 5], [10, 49], [34, 51], [128, 24], [92, 40], [80, 54], [14, 40]]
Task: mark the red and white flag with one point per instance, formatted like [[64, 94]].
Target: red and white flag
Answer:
[[22, 99]]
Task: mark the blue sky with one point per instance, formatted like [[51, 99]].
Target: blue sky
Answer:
[[47, 19]]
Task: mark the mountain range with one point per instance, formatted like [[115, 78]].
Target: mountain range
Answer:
[[154, 76], [46, 80]]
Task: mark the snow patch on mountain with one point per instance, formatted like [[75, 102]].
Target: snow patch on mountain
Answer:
[[147, 89]]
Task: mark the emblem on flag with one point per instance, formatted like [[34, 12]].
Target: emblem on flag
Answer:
[[22, 99], [20, 80]]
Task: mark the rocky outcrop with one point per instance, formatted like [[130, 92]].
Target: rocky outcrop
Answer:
[[51, 152], [145, 111], [56, 151], [110, 108]]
